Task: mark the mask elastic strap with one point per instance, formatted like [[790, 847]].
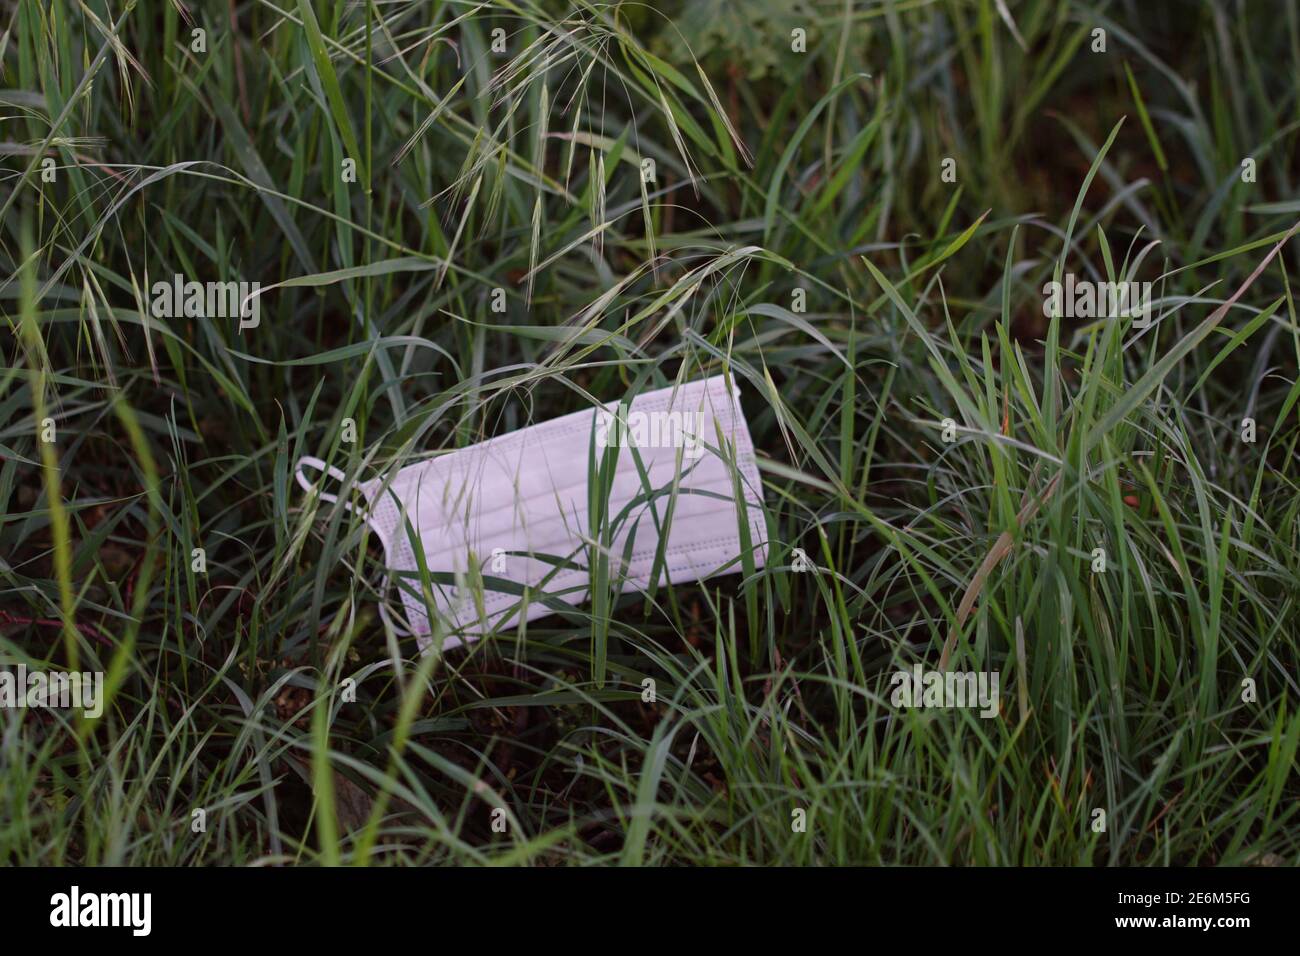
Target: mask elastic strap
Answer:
[[397, 627], [309, 461]]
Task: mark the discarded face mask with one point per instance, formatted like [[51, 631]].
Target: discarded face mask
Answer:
[[516, 512]]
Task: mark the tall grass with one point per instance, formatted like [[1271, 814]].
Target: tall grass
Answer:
[[381, 170]]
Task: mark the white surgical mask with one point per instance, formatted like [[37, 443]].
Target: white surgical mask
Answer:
[[517, 508]]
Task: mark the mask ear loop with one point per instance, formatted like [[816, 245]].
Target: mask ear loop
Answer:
[[398, 627], [309, 461], [395, 625], [365, 511]]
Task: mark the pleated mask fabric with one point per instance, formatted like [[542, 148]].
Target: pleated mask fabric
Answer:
[[516, 511]]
